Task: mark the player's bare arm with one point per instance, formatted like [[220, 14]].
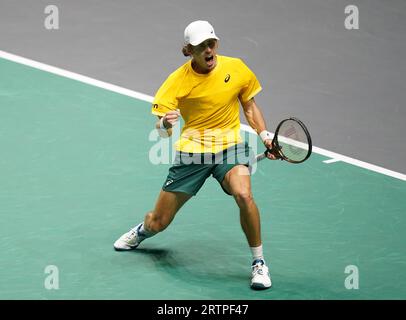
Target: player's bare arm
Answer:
[[256, 120]]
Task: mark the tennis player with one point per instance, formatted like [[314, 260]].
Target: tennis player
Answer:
[[206, 92]]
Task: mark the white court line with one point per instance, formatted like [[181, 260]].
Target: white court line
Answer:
[[75, 76], [331, 161], [147, 98]]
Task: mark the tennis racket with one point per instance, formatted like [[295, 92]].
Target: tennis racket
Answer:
[[291, 142]]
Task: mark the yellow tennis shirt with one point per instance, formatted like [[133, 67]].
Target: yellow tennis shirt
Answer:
[[208, 103]]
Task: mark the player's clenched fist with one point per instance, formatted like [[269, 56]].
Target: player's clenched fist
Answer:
[[170, 119]]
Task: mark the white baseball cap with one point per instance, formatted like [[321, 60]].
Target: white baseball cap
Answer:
[[198, 31]]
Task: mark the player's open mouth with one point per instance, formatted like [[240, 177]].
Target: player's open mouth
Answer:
[[209, 61]]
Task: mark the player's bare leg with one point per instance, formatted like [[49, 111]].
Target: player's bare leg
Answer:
[[238, 183], [166, 207]]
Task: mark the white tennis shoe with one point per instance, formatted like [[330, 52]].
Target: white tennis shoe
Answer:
[[129, 240], [261, 278]]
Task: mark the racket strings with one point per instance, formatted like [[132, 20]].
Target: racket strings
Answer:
[[293, 140]]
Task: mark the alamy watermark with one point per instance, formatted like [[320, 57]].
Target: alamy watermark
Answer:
[[51, 21], [51, 281], [352, 280], [352, 20]]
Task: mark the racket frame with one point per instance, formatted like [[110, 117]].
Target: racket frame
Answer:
[[277, 149]]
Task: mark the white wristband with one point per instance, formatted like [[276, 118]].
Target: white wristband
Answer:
[[162, 131], [161, 124], [265, 135]]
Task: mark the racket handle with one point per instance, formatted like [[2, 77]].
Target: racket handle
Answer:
[[262, 156]]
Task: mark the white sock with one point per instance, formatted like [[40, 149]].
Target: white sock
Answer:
[[257, 252], [142, 233]]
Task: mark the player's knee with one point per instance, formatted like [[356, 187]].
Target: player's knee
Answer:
[[243, 197]]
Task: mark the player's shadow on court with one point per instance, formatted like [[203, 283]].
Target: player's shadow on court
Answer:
[[198, 270], [162, 257]]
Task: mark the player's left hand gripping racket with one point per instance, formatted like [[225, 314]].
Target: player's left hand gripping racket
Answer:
[[291, 142]]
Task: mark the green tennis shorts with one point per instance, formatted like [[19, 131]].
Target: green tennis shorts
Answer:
[[190, 170]]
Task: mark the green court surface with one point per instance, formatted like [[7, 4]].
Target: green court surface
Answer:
[[75, 175]]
